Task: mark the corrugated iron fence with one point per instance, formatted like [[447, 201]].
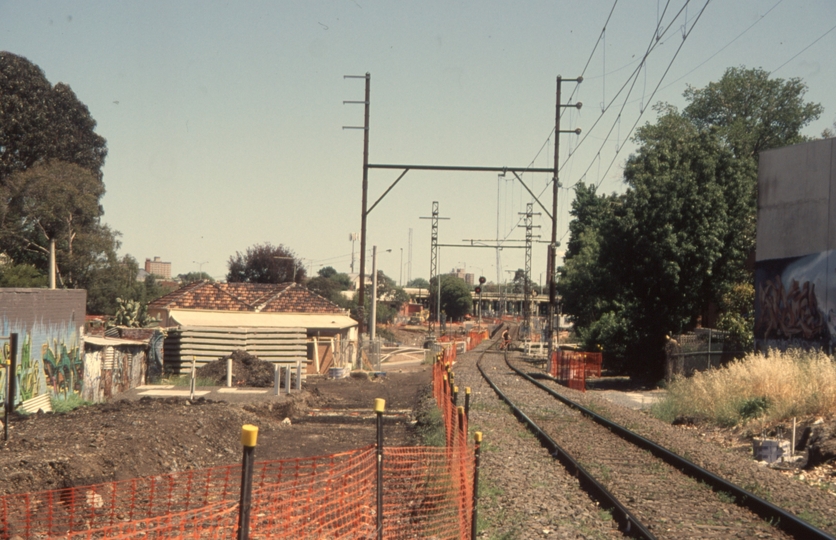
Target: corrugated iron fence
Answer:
[[427, 493]]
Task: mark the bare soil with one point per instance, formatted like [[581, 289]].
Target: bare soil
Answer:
[[141, 436]]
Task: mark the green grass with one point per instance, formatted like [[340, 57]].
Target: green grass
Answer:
[[726, 497], [71, 402], [430, 427]]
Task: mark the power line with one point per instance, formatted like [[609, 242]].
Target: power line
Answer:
[[721, 49], [654, 41], [583, 72], [802, 50], [684, 38]]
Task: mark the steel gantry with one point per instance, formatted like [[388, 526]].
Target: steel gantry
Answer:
[[529, 241], [365, 210]]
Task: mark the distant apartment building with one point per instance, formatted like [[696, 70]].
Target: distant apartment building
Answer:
[[461, 273], [158, 268]]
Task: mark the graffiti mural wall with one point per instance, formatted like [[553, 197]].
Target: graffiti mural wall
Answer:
[[795, 302], [48, 324]]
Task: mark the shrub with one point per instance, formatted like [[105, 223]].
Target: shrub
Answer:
[[771, 387]]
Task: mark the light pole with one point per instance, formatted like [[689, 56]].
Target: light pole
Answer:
[[400, 276], [200, 268]]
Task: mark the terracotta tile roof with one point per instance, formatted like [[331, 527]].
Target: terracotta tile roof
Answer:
[[264, 297], [298, 299]]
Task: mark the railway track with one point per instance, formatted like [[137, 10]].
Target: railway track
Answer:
[[649, 491]]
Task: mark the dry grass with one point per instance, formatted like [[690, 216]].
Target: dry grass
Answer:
[[767, 388]]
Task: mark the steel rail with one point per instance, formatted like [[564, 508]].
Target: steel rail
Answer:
[[628, 522], [775, 515]]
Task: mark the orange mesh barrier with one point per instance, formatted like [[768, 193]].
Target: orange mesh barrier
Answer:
[[427, 493], [569, 367]]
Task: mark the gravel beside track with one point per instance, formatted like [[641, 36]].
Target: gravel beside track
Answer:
[[523, 493], [669, 503], [813, 505]]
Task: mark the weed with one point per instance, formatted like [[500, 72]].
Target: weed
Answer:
[[604, 515], [813, 519], [72, 401], [726, 497]]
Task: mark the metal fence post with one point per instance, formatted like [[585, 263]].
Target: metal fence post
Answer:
[[379, 407], [249, 436], [12, 386], [467, 401], [477, 438]]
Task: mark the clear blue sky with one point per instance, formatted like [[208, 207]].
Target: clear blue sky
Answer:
[[224, 120]]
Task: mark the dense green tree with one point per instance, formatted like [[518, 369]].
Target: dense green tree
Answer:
[[646, 263], [330, 284], [22, 275], [456, 298], [752, 112], [54, 201], [265, 263], [41, 122]]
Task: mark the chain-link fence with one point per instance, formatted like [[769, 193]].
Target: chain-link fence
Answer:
[[699, 350]]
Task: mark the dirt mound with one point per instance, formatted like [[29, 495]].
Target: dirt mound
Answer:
[[247, 370]]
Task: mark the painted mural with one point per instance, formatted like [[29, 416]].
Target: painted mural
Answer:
[[795, 302], [42, 367]]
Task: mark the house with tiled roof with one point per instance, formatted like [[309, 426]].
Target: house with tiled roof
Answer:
[[283, 323]]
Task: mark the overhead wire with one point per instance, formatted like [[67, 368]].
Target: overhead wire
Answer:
[[571, 95], [802, 50], [670, 64]]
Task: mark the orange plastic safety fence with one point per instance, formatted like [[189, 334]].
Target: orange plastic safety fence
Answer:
[[427, 493], [296, 498], [569, 367]]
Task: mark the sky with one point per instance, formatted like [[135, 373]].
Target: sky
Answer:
[[224, 120]]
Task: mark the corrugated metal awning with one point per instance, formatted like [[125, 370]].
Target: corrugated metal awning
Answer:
[[321, 321], [112, 342]]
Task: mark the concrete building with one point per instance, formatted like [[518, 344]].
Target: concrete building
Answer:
[[158, 268], [795, 287]]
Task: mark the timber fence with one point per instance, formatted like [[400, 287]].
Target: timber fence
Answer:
[[427, 492]]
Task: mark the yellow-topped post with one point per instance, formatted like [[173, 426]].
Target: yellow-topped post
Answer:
[[467, 401], [249, 436], [379, 407], [477, 439]]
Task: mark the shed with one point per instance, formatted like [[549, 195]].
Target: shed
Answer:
[[280, 323]]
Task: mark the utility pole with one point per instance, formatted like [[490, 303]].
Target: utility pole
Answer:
[[364, 213], [551, 269]]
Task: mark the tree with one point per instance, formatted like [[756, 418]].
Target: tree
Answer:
[[330, 284], [192, 277], [418, 283], [41, 122], [22, 275], [647, 263], [51, 182], [51, 201], [752, 112], [456, 299], [265, 263]]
